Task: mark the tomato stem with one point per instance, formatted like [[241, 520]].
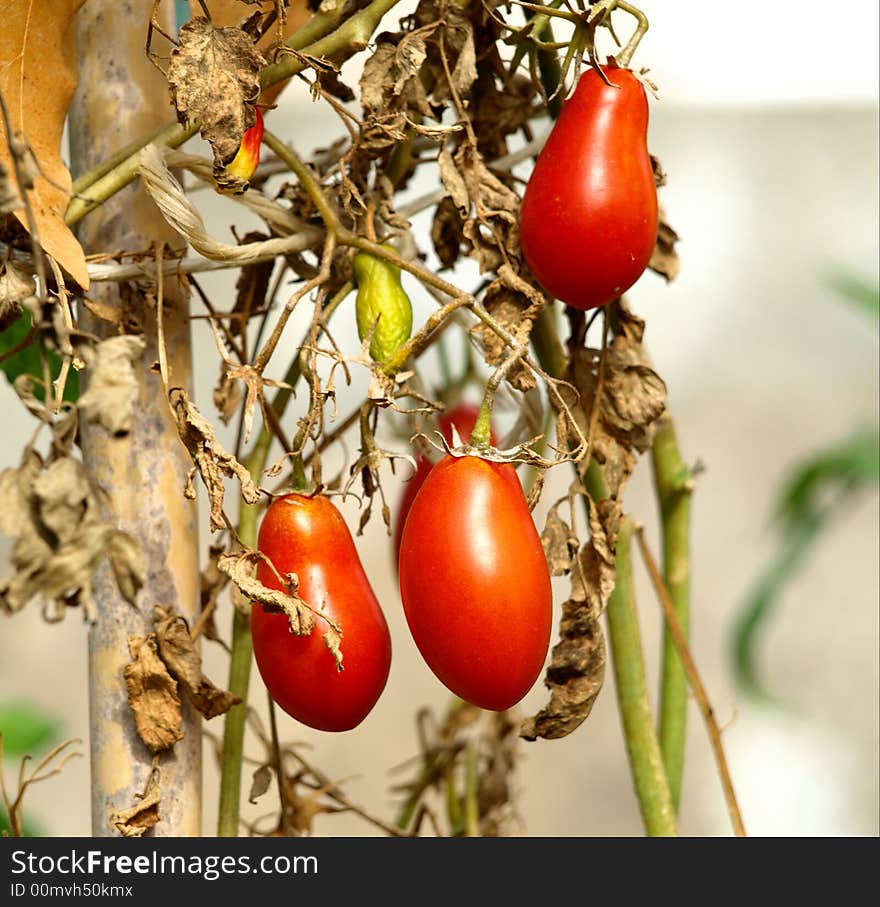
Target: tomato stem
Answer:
[[643, 748], [673, 483], [239, 681], [623, 58]]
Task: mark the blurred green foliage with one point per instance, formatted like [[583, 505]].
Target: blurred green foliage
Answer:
[[26, 731], [27, 360], [821, 486]]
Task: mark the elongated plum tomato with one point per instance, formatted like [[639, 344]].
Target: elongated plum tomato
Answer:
[[588, 221], [463, 417], [308, 536], [474, 582]]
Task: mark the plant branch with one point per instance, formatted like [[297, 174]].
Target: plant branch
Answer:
[[646, 761], [696, 683], [674, 485]]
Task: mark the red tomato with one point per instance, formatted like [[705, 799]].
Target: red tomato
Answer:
[[588, 221], [308, 536], [474, 582], [463, 417]]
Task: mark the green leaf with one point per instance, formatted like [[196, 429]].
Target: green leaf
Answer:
[[853, 464], [27, 361], [26, 729], [815, 491]]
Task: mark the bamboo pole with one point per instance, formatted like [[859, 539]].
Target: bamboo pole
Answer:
[[121, 96]]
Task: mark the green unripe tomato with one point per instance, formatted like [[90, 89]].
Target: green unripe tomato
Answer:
[[381, 296]]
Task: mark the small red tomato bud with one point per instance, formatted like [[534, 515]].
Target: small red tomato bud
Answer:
[[247, 157]]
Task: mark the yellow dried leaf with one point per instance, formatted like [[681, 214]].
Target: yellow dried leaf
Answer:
[[37, 80]]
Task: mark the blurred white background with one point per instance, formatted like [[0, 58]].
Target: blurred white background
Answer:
[[767, 127]]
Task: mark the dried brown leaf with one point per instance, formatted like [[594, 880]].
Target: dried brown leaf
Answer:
[[127, 561], [152, 695], [213, 74], [577, 666], [239, 568], [37, 96], [392, 70], [113, 387], [211, 582], [211, 459], [260, 783], [183, 659], [136, 821], [16, 285], [664, 258], [447, 234], [230, 12], [557, 540], [60, 537], [228, 394], [515, 312], [464, 74]]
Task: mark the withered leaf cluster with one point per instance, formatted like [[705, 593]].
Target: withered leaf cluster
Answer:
[[163, 662], [616, 398], [213, 75], [53, 511]]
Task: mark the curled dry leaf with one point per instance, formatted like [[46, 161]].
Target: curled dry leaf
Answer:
[[53, 514], [633, 398], [515, 311], [447, 233], [489, 209], [664, 258], [577, 666], [260, 783], [558, 540], [16, 285], [390, 86], [213, 76], [183, 659], [230, 12], [113, 387], [37, 96], [239, 568], [211, 459], [211, 583], [136, 821], [152, 695]]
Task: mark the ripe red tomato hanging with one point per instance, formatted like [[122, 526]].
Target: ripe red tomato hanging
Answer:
[[474, 582], [588, 221], [309, 537], [463, 417]]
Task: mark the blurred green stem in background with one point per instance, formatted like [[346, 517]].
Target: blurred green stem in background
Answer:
[[817, 489]]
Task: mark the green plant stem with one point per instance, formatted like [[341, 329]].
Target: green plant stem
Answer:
[[673, 483], [643, 748], [239, 678]]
